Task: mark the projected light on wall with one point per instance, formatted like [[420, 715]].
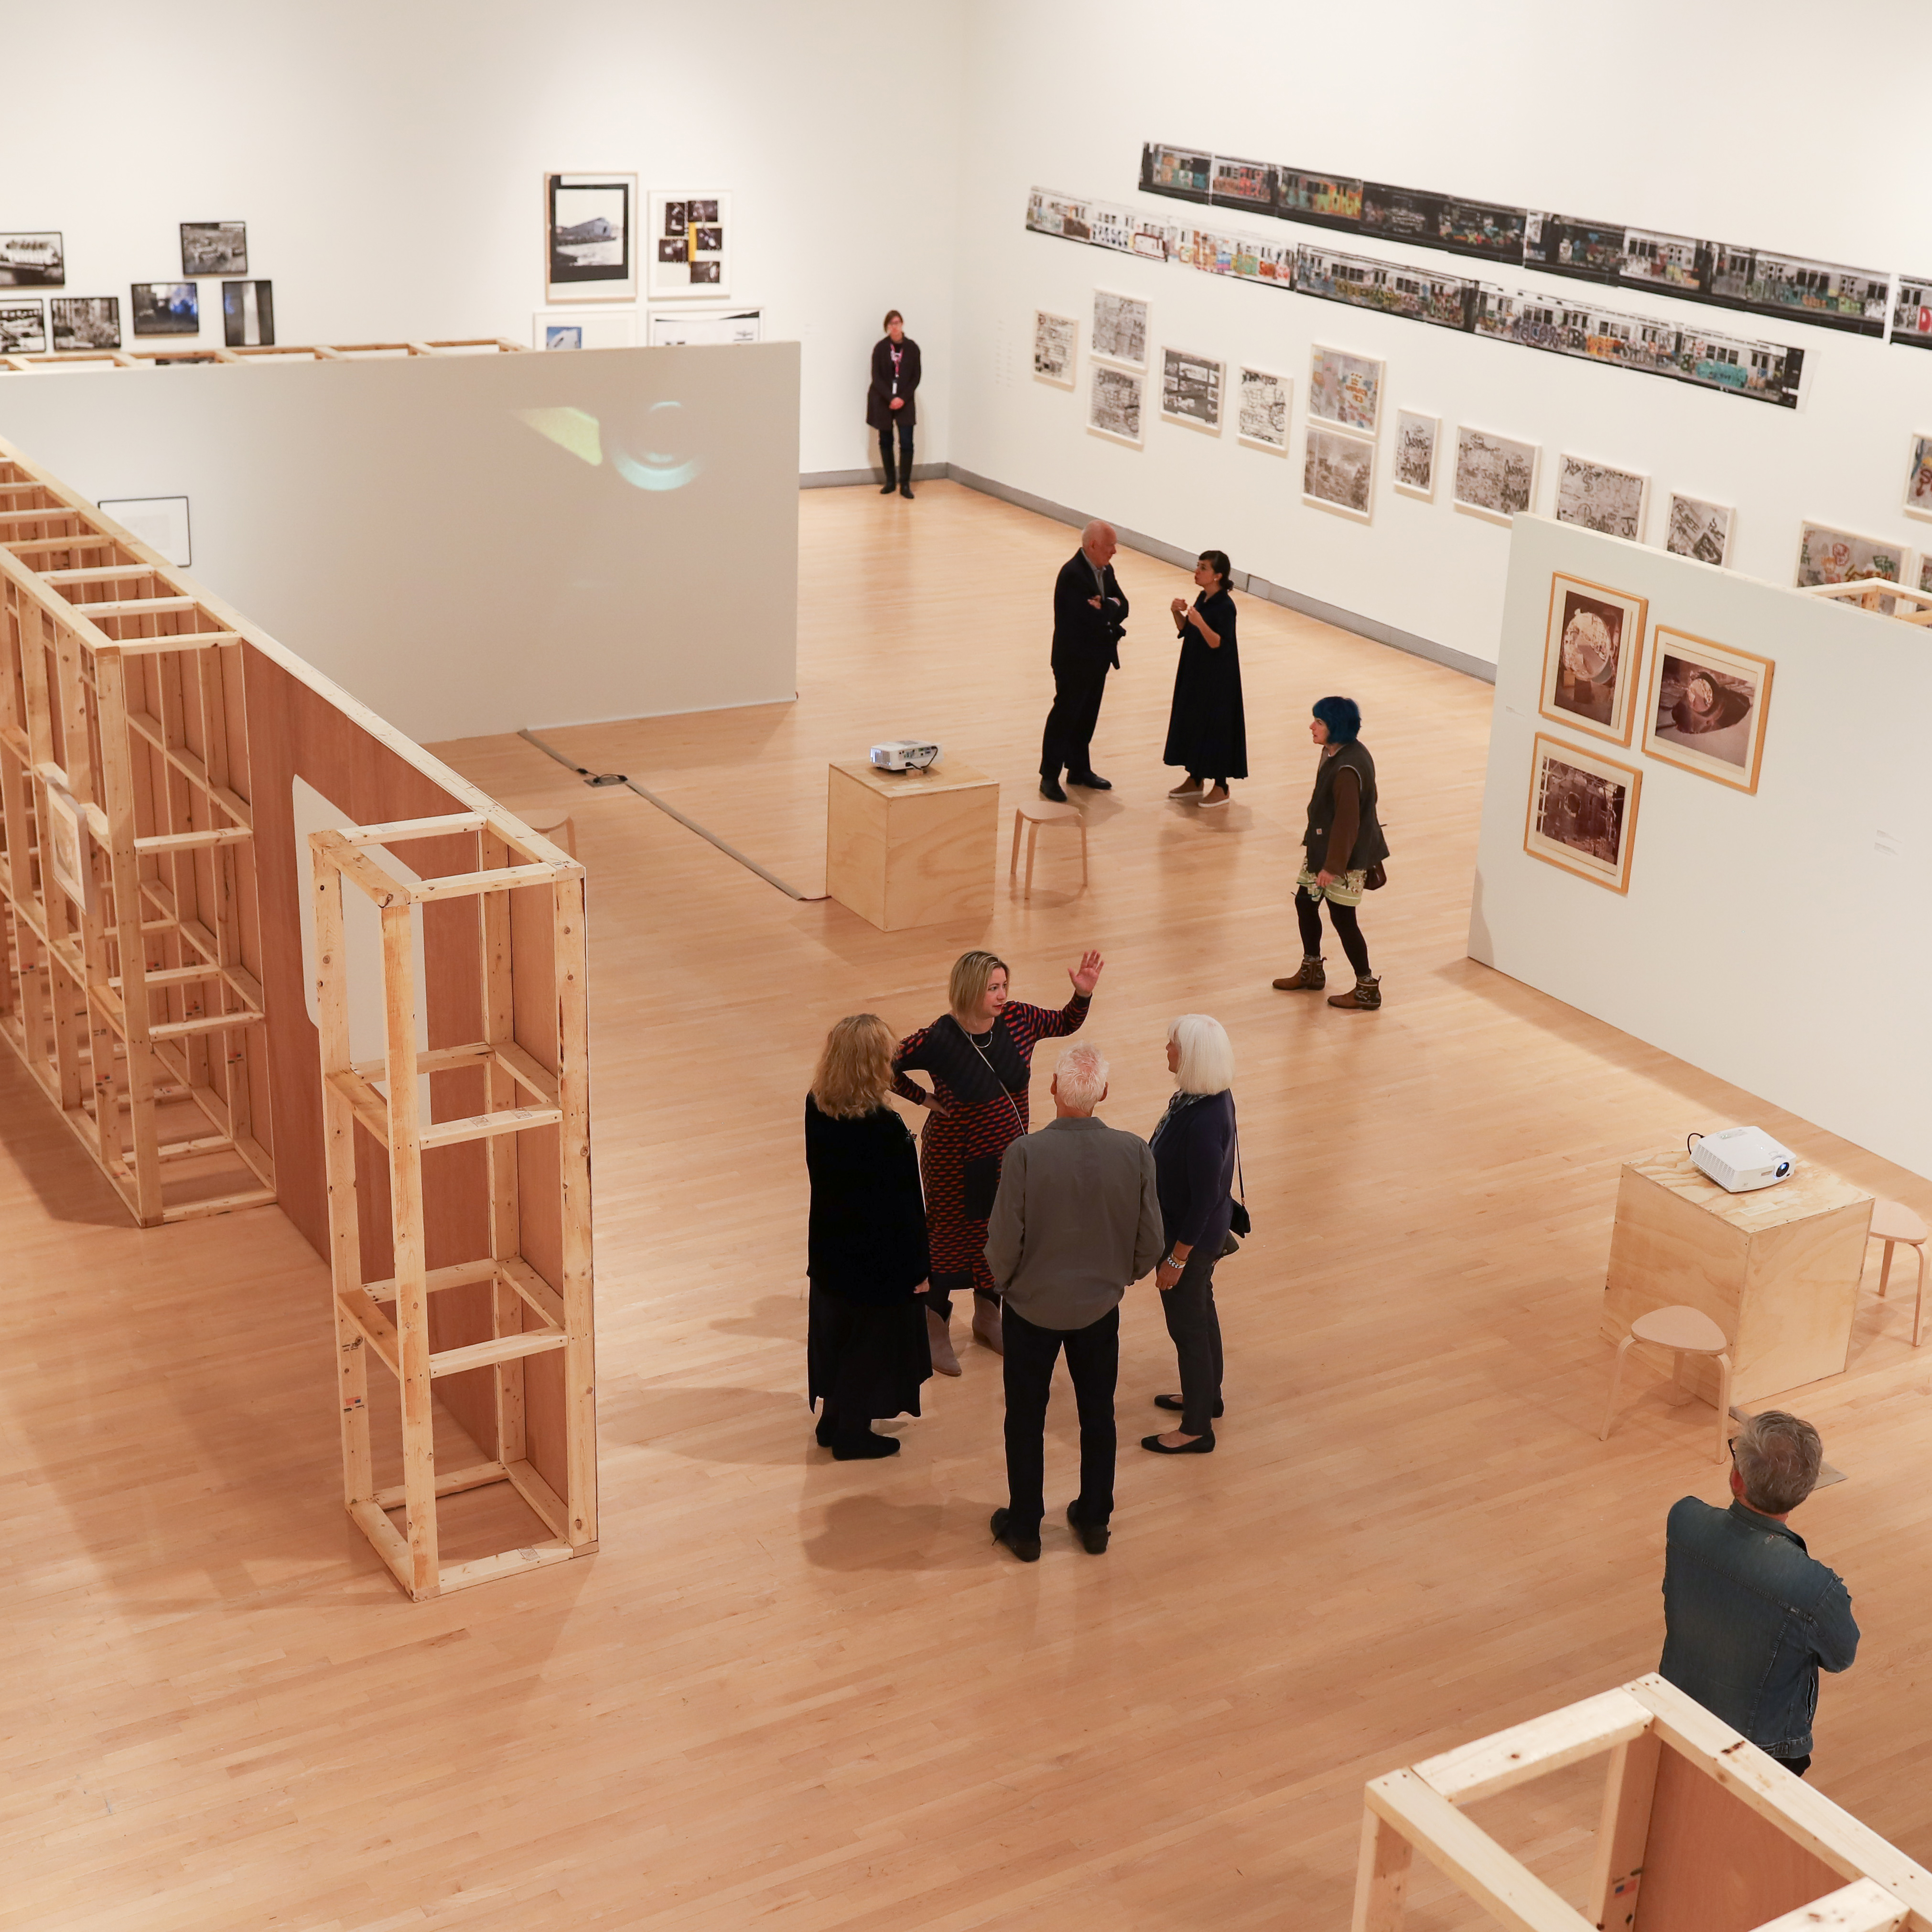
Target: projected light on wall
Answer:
[[586, 439]]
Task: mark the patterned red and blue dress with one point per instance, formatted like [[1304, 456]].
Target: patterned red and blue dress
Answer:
[[981, 1081]]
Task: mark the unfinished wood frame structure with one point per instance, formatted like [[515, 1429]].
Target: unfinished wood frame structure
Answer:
[[1910, 606], [518, 1090], [1700, 1832], [132, 981], [313, 352]]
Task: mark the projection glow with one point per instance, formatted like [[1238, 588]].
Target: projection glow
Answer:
[[652, 469]]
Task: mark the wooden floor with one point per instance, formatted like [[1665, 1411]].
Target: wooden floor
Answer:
[[796, 1693]]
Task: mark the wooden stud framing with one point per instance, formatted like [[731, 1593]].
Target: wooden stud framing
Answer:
[[316, 351], [528, 1314], [1644, 1726]]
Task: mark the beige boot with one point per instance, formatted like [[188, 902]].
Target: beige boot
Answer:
[[938, 1333], [986, 1325]]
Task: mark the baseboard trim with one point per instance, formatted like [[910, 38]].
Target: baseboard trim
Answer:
[[838, 479], [1371, 628]]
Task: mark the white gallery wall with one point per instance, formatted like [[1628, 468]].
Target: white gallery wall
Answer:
[[1716, 126]]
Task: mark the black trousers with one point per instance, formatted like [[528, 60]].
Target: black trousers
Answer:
[[1068, 739], [1797, 1766], [904, 427], [1093, 1362], [1196, 1328], [1348, 930]]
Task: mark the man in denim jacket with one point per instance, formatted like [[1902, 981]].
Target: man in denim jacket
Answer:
[[1748, 1616]]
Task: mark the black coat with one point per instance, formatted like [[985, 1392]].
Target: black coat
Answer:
[[880, 413], [1207, 726], [1194, 1165], [1084, 638], [867, 1238]]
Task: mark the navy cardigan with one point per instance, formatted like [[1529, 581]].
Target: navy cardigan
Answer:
[[1194, 1168]]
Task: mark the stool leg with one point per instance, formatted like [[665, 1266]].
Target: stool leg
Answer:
[[1616, 1377], [1033, 846], [1019, 819], [1884, 1269], [1724, 1403], [1918, 1300], [1083, 849]]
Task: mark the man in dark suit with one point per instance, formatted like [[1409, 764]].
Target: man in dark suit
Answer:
[[1089, 615]]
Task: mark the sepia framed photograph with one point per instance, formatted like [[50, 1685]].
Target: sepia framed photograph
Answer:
[[1190, 389], [1599, 497], [1055, 340], [1415, 439], [23, 329], [1344, 389], [1918, 478], [214, 248], [1121, 328], [1829, 556], [1592, 653], [165, 308], [1266, 404], [1338, 473], [1695, 528], [1707, 708], [1496, 475], [1114, 403], [590, 223], [85, 322], [248, 315], [32, 261], [1582, 812]]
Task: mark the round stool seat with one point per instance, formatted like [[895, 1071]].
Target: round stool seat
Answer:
[[1044, 811], [1893, 1221], [1681, 1327]]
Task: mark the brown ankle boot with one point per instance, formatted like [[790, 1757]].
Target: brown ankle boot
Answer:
[[1312, 978], [1364, 997]]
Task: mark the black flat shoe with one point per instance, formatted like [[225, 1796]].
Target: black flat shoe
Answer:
[[1051, 788], [1092, 782], [1026, 1548], [1175, 1402], [1093, 1539], [867, 1448], [1202, 1445]]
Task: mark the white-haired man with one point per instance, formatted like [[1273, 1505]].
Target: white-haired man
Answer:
[[1077, 1217], [1089, 613]]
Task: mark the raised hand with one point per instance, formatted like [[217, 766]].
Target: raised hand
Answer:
[[1086, 973]]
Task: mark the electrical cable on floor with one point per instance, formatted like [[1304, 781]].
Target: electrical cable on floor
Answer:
[[596, 779]]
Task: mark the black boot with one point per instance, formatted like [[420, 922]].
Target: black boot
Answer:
[[905, 471], [892, 482]]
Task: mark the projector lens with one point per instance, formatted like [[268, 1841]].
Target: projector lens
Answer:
[[1783, 1168]]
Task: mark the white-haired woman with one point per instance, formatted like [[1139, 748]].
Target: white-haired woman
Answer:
[[1194, 1168]]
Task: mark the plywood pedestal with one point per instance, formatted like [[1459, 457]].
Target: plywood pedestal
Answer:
[[911, 848]]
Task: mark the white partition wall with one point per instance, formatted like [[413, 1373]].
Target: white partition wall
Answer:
[[1780, 941]]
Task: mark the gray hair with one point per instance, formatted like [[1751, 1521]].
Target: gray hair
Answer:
[[1778, 1456], [1207, 1056], [1081, 1076]]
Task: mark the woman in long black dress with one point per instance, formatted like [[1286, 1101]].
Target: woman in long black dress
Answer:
[[865, 1347], [891, 405], [1208, 729]]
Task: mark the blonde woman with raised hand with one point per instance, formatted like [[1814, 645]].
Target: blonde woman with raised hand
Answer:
[[865, 1347]]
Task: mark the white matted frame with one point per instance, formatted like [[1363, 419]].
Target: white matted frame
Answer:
[[1264, 405], [1715, 692], [1695, 527], [558, 328], [579, 201], [1592, 657], [1193, 390], [1828, 555], [1919, 478], [1114, 404], [1496, 475], [1056, 349], [1344, 388], [1417, 435], [697, 222], [1601, 496], [1121, 329], [1338, 473]]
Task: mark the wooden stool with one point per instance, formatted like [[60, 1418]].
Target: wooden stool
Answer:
[[1893, 1223], [1032, 813], [1689, 1332]]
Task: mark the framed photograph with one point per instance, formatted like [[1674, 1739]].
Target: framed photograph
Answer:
[[1918, 478], [1582, 812], [590, 237], [1344, 389], [248, 315], [583, 328], [1055, 348], [1699, 529], [1265, 402], [1707, 708], [1496, 475], [1415, 438], [1338, 473], [1190, 389], [31, 261], [23, 329], [689, 250], [684, 329], [1828, 556], [85, 322], [1592, 652], [214, 248], [165, 308], [1121, 329], [1601, 497], [1114, 403]]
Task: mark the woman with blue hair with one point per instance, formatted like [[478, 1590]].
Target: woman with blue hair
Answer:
[[1344, 849]]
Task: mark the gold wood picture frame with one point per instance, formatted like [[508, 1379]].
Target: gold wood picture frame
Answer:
[[1707, 703], [1592, 655], [1582, 812]]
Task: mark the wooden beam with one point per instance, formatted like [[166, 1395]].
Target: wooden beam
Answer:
[[376, 1328], [462, 1274], [1623, 1833], [388, 1545], [401, 831], [501, 1348], [467, 885], [331, 848], [472, 1476], [1381, 1877], [481, 1126], [1863, 1906], [1532, 1749], [509, 1563]]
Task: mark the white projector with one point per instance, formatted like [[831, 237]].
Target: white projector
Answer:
[[905, 754], [1741, 1158]]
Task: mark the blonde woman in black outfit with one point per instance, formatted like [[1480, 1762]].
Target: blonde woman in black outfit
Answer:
[[890, 403]]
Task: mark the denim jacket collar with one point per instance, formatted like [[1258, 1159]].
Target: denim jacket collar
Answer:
[[1758, 1520]]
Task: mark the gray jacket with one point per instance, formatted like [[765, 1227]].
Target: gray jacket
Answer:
[[1077, 1218]]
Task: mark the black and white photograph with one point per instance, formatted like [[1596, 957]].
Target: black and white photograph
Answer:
[[1344, 388], [1582, 812], [248, 315], [702, 210], [1114, 403], [707, 240], [1415, 438], [85, 322], [1599, 497], [692, 235], [23, 329], [1696, 528], [1265, 402], [31, 261], [1190, 389], [214, 248], [1707, 708], [1592, 652], [1120, 328], [1496, 475], [672, 247], [1054, 347], [165, 308], [590, 223], [1339, 473], [1919, 478]]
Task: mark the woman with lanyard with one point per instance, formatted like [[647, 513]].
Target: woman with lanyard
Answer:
[[890, 401], [980, 1057]]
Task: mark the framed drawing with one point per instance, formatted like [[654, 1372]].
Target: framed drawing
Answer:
[[1190, 390], [590, 223], [23, 329], [165, 308], [1338, 473], [1918, 478], [1121, 329], [1114, 403], [1265, 402], [1344, 389], [1601, 497], [1707, 708], [704, 328], [31, 261], [214, 248], [1415, 437], [1582, 812], [1055, 348], [1828, 556], [248, 315], [85, 322], [688, 249], [1699, 529], [1923, 577], [1592, 654], [1496, 475], [68, 844]]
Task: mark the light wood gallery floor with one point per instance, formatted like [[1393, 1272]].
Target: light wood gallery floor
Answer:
[[792, 1692]]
